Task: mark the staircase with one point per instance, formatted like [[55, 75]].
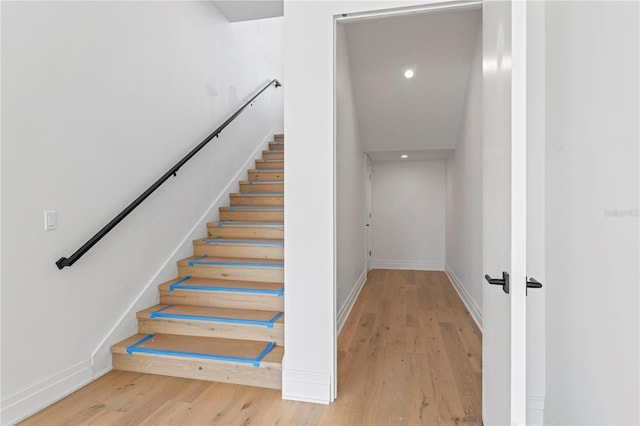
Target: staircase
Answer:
[[222, 318]]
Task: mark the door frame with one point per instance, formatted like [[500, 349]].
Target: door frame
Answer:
[[362, 15], [368, 233]]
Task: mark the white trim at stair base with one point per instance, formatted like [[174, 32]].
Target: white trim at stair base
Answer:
[[345, 309], [34, 398], [471, 305], [126, 325], [306, 387], [414, 265]]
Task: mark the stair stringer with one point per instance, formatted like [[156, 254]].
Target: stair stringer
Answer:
[[127, 323]]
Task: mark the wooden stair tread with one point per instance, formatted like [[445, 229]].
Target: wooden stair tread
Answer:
[[220, 284], [246, 224], [230, 261], [252, 208], [239, 241], [210, 312], [256, 194], [212, 346], [259, 182]]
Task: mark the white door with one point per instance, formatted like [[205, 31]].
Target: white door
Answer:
[[504, 212], [367, 219]]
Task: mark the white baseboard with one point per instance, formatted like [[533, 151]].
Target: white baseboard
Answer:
[[472, 306], [306, 387], [415, 265], [535, 410], [345, 309], [34, 398]]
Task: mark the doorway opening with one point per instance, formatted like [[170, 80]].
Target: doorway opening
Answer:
[[408, 98]]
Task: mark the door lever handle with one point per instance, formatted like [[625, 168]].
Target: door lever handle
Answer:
[[533, 283], [504, 281]]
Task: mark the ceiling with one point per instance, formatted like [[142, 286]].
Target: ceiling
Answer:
[[245, 10], [418, 114]]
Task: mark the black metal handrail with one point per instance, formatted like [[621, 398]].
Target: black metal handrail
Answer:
[[63, 261]]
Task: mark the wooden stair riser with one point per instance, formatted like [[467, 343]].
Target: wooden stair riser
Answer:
[[262, 187], [255, 201], [200, 369], [222, 299], [251, 215], [269, 175], [261, 164], [279, 138], [254, 251], [276, 146], [250, 232], [212, 329], [239, 273], [266, 155]]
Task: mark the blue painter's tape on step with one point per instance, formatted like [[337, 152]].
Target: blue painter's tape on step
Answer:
[[131, 348], [276, 317], [177, 283], [270, 208], [177, 286], [231, 223], [200, 261], [151, 315], [272, 160], [268, 169], [218, 240], [135, 348], [264, 353], [196, 259], [251, 182], [266, 323]]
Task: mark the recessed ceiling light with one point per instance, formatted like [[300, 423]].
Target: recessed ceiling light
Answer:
[[408, 73], [404, 156]]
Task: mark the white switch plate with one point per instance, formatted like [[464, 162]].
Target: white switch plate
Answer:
[[50, 220]]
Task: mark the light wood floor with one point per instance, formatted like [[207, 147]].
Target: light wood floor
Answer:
[[408, 354]]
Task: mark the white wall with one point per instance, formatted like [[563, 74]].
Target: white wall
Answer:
[[98, 100], [309, 365], [464, 195], [592, 227], [350, 189], [408, 205]]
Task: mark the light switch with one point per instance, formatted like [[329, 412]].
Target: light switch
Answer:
[[50, 220]]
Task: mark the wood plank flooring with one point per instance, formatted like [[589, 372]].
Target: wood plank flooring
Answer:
[[409, 353]]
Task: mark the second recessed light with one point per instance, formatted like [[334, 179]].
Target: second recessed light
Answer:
[[408, 73], [404, 156]]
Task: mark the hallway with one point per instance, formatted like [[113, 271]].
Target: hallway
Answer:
[[409, 353]]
